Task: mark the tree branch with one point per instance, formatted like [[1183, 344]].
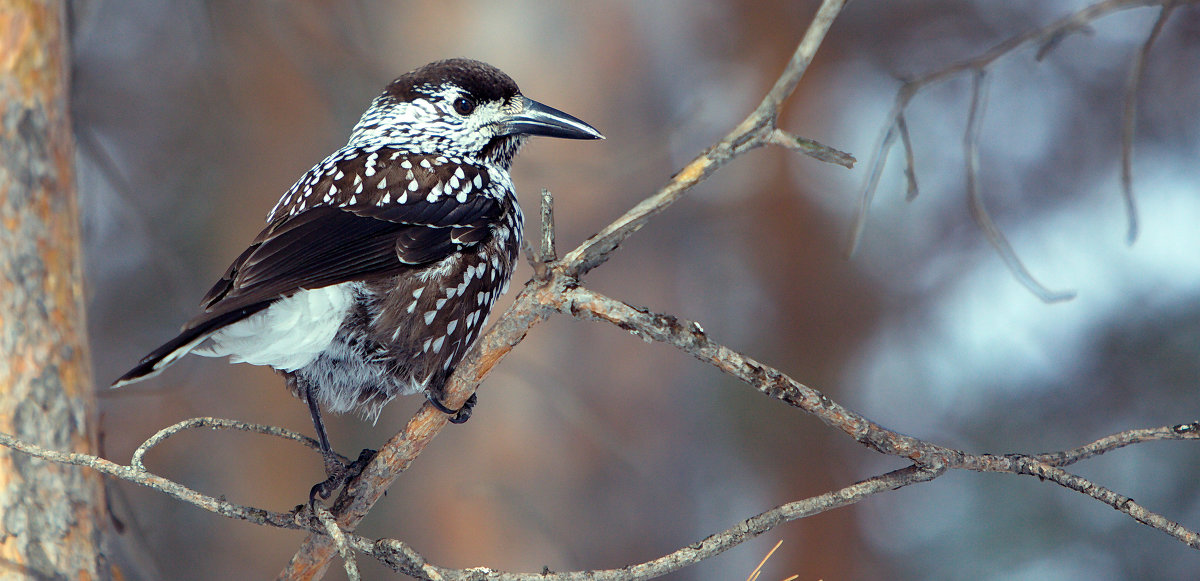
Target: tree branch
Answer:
[[1046, 38], [753, 132]]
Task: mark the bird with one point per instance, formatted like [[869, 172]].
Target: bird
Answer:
[[378, 268]]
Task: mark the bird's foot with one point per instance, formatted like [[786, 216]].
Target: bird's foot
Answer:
[[338, 473], [459, 415]]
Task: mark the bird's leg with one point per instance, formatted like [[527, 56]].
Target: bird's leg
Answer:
[[337, 472], [457, 416]]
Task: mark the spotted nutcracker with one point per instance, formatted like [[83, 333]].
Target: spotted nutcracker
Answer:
[[378, 268]]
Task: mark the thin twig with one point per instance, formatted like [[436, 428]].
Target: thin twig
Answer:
[[751, 133], [690, 337], [406, 561], [170, 488], [219, 424], [874, 173], [1032, 466], [910, 164], [812, 148], [339, 541], [1045, 38], [1120, 440], [979, 212], [1129, 120]]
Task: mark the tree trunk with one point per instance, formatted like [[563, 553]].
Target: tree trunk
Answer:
[[49, 513]]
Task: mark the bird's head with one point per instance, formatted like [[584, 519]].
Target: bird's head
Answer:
[[461, 107]]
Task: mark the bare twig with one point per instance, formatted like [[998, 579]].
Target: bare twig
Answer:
[[339, 541], [754, 131], [170, 488], [1046, 38], [812, 148], [910, 164], [219, 424], [1120, 440], [979, 212], [1129, 120], [405, 560], [690, 338]]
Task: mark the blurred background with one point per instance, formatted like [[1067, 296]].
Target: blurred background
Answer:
[[592, 449]]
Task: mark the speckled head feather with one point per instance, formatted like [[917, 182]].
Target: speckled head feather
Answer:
[[482, 81]]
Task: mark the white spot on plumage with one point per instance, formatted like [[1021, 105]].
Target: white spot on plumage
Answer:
[[382, 183], [417, 293], [406, 164], [412, 186], [478, 181], [439, 304], [425, 164], [403, 199], [425, 347], [387, 198], [451, 327], [437, 343], [429, 315], [339, 175], [458, 173]]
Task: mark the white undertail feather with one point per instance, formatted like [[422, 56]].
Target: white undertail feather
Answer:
[[287, 335]]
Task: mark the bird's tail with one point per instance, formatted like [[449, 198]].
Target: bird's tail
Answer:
[[193, 334]]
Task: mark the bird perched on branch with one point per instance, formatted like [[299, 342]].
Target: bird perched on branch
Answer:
[[378, 268]]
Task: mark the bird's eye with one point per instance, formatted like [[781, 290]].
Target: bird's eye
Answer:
[[464, 105]]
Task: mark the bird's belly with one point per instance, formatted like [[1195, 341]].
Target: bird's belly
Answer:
[[287, 335]]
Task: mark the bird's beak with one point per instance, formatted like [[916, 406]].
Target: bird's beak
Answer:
[[538, 119]]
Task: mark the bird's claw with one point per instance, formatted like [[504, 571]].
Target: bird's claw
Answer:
[[338, 475], [459, 415]]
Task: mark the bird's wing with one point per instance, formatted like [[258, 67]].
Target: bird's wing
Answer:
[[328, 245], [324, 246]]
